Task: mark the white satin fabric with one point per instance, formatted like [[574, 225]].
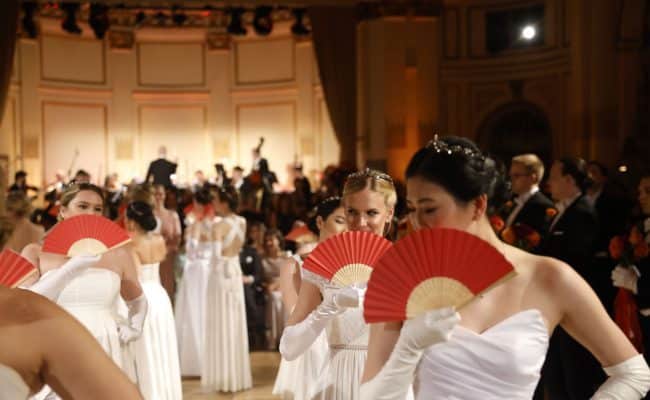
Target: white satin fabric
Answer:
[[190, 309], [156, 351], [504, 362], [12, 386]]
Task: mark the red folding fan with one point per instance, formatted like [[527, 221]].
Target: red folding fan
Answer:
[[432, 268], [14, 269], [84, 235], [347, 258]]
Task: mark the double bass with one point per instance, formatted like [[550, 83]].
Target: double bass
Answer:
[[256, 177]]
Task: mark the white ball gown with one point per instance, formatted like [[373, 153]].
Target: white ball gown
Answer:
[[226, 366], [12, 386], [299, 379], [92, 298], [347, 337], [156, 351], [504, 362], [190, 308]]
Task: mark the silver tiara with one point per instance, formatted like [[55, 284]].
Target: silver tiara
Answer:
[[440, 146]]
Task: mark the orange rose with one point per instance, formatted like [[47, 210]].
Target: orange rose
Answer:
[[641, 250], [551, 212], [533, 238], [509, 235], [635, 236], [497, 223], [616, 246]]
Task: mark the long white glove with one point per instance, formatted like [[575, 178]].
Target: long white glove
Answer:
[[132, 329], [296, 339], [52, 282], [396, 376], [629, 380], [625, 277]]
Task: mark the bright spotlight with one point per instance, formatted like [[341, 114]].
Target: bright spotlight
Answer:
[[622, 168], [528, 32]]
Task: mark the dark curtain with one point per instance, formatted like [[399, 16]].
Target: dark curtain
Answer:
[[8, 21], [8, 24], [335, 44]]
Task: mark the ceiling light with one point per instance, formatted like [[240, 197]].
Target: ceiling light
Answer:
[[263, 20], [299, 28]]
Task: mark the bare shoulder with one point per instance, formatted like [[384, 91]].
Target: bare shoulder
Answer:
[[554, 275], [31, 250], [25, 306]]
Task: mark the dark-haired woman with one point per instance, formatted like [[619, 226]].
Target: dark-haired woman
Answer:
[[156, 351], [190, 298], [299, 378], [498, 349], [226, 365], [369, 200], [89, 287]]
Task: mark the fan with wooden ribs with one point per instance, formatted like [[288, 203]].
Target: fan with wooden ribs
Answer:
[[14, 269], [84, 235], [347, 258], [429, 269]]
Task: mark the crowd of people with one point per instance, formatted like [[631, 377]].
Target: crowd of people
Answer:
[[214, 270]]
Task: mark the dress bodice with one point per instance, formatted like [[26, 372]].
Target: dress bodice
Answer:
[[12, 386], [149, 273], [94, 289], [504, 362], [348, 330], [203, 249]]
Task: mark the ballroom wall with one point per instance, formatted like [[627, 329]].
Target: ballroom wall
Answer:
[[117, 100]]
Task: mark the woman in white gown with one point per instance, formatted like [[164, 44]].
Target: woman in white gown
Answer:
[[226, 366], [156, 351], [42, 344], [498, 351], [299, 378], [190, 298], [369, 199], [89, 287], [272, 261]]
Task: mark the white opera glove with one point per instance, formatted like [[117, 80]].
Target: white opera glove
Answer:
[[52, 282], [629, 380], [625, 277], [132, 329], [296, 339], [396, 376]]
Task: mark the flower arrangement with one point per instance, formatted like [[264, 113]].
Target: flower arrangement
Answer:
[[522, 236], [628, 250], [519, 234]]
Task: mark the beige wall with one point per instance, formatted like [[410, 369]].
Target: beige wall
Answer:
[[170, 88]]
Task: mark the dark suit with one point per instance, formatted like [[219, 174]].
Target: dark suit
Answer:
[[161, 171], [533, 213], [613, 214], [251, 265], [570, 371]]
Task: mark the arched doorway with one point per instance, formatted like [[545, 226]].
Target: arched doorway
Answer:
[[516, 128]]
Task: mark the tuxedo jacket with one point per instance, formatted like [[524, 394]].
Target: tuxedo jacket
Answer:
[[613, 216], [161, 171], [573, 237], [533, 213]]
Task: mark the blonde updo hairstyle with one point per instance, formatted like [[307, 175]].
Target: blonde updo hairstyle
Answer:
[[18, 204], [374, 180]]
